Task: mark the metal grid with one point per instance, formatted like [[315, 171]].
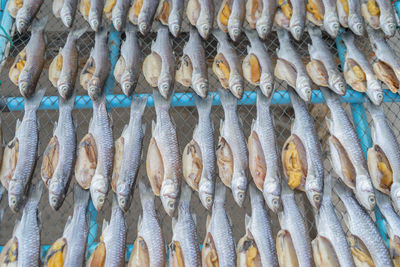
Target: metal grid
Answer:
[[185, 119]]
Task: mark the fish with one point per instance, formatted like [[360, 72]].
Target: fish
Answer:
[[169, 13], [128, 154], [263, 154], [64, 67], [23, 249], [361, 226], [292, 241], [92, 12], [257, 245], [120, 14], [111, 249], [346, 155], [163, 161], [28, 65], [142, 13], [331, 22], [95, 72], [159, 66], [226, 65], [384, 156], [70, 249], [26, 15], [293, 16], [302, 154], [260, 16], [231, 16], [60, 154], [184, 249], [392, 224], [290, 68], [219, 246], [379, 14], [192, 66], [315, 12], [386, 64], [149, 248], [198, 159], [322, 68], [359, 73], [349, 13], [257, 65], [127, 68], [330, 247], [65, 9], [26, 140], [200, 14], [232, 152]]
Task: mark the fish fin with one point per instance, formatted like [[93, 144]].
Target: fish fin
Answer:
[[312, 30], [39, 220], [91, 125], [372, 108], [153, 127], [81, 196], [139, 222], [186, 193], [39, 24], [220, 192], [194, 217], [205, 104], [228, 100], [1, 214], [101, 33], [124, 131], [35, 192], [329, 124], [247, 221], [145, 192], [174, 221], [17, 223], [160, 102], [110, 119], [221, 126], [2, 191], [229, 219], [55, 127], [281, 215], [33, 102], [138, 105], [129, 27], [67, 224], [17, 124], [77, 33], [208, 221], [144, 128], [104, 227], [373, 133]]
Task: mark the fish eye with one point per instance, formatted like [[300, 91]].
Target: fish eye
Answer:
[[317, 198], [171, 205], [101, 200], [241, 195], [371, 199], [208, 200], [275, 202]]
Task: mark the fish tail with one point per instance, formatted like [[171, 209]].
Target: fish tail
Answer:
[[35, 192], [70, 102], [40, 24], [145, 192], [348, 37], [228, 100], [282, 34], [203, 105], [220, 192], [314, 31], [262, 100], [33, 102], [295, 99], [77, 33], [101, 34], [251, 34], [219, 35], [341, 190], [138, 105], [130, 27], [372, 108], [160, 102], [81, 196], [186, 193]]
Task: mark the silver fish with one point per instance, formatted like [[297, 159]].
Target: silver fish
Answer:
[[184, 236], [387, 19], [231, 21], [201, 176], [175, 17], [386, 59], [293, 225], [35, 56], [228, 53], [67, 12], [66, 81], [330, 230], [101, 129], [163, 163], [322, 57], [194, 49], [99, 60], [120, 13], [201, 15], [232, 139], [258, 226], [263, 152], [150, 241], [331, 20], [96, 14], [262, 18], [27, 13], [127, 70], [28, 229], [385, 140], [142, 14], [361, 225], [27, 135], [219, 239], [288, 56], [57, 168], [347, 158], [353, 18], [257, 49], [373, 87], [298, 19], [132, 136], [304, 129]]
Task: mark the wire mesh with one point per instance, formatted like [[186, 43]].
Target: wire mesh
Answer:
[[185, 119]]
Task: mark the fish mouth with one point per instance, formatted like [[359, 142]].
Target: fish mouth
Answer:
[[55, 201], [263, 30], [14, 203], [389, 28], [355, 25], [297, 31], [266, 84], [201, 89], [67, 20], [333, 28], [273, 203], [143, 28], [24, 88], [22, 25], [164, 89], [64, 90], [117, 24], [234, 32], [304, 89], [169, 204], [127, 88], [123, 202], [204, 30], [94, 24], [337, 84], [174, 28], [236, 86]]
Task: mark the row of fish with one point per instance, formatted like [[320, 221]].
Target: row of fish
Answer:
[[260, 14]]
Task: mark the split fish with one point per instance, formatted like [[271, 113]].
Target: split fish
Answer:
[[260, 15], [293, 16], [92, 12], [230, 17], [27, 13], [120, 14], [331, 20], [200, 14], [349, 13], [65, 9], [142, 13], [169, 13], [379, 14]]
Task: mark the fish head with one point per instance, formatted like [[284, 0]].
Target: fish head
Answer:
[[56, 193], [65, 89], [395, 194], [267, 83], [296, 27], [94, 19], [336, 82], [374, 91], [164, 85], [25, 83], [98, 190], [206, 192], [200, 85], [22, 21], [365, 192], [15, 194], [271, 192], [331, 24], [234, 29], [123, 196], [388, 25], [174, 24], [117, 19], [94, 87], [303, 88], [313, 191], [239, 186], [236, 85], [144, 28], [169, 196], [356, 24], [204, 26], [263, 28], [66, 17], [127, 83]]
